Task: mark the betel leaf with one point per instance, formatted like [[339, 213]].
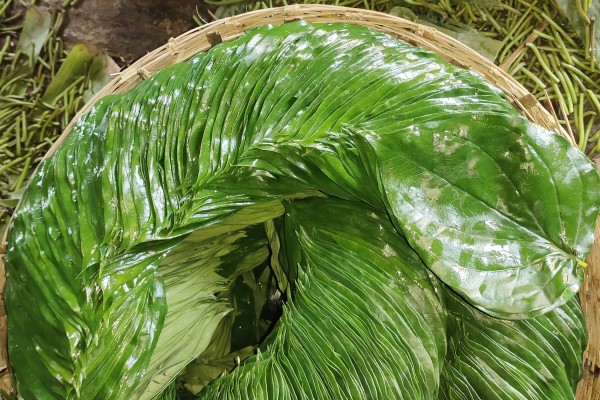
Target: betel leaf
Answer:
[[502, 211], [196, 281], [482, 205], [365, 319], [534, 359], [487, 358]]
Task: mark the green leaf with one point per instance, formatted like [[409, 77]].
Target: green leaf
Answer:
[[275, 247], [100, 73], [202, 372], [364, 319], [170, 393], [489, 359], [35, 32], [9, 203], [76, 66], [194, 285], [487, 212]]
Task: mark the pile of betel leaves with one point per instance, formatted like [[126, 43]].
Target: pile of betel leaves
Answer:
[[322, 210]]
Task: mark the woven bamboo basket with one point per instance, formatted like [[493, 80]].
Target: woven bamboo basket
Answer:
[[203, 38]]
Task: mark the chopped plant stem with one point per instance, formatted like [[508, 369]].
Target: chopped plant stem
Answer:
[[569, 88], [510, 9], [495, 23], [595, 137], [508, 48], [43, 63], [582, 13], [549, 106], [11, 163], [554, 50], [594, 100], [543, 62], [544, 35], [561, 31], [580, 123], [523, 46], [592, 47], [516, 68], [18, 136], [581, 75], [24, 173], [596, 148], [587, 43], [533, 77], [583, 65], [521, 24], [563, 48], [564, 112], [4, 49], [470, 13], [588, 128]]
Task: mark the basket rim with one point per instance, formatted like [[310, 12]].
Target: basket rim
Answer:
[[203, 38]]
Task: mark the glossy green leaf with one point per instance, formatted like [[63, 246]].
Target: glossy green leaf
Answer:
[[364, 320], [203, 371], [195, 282], [487, 212], [500, 210], [534, 359]]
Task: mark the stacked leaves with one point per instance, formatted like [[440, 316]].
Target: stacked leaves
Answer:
[[152, 244]]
